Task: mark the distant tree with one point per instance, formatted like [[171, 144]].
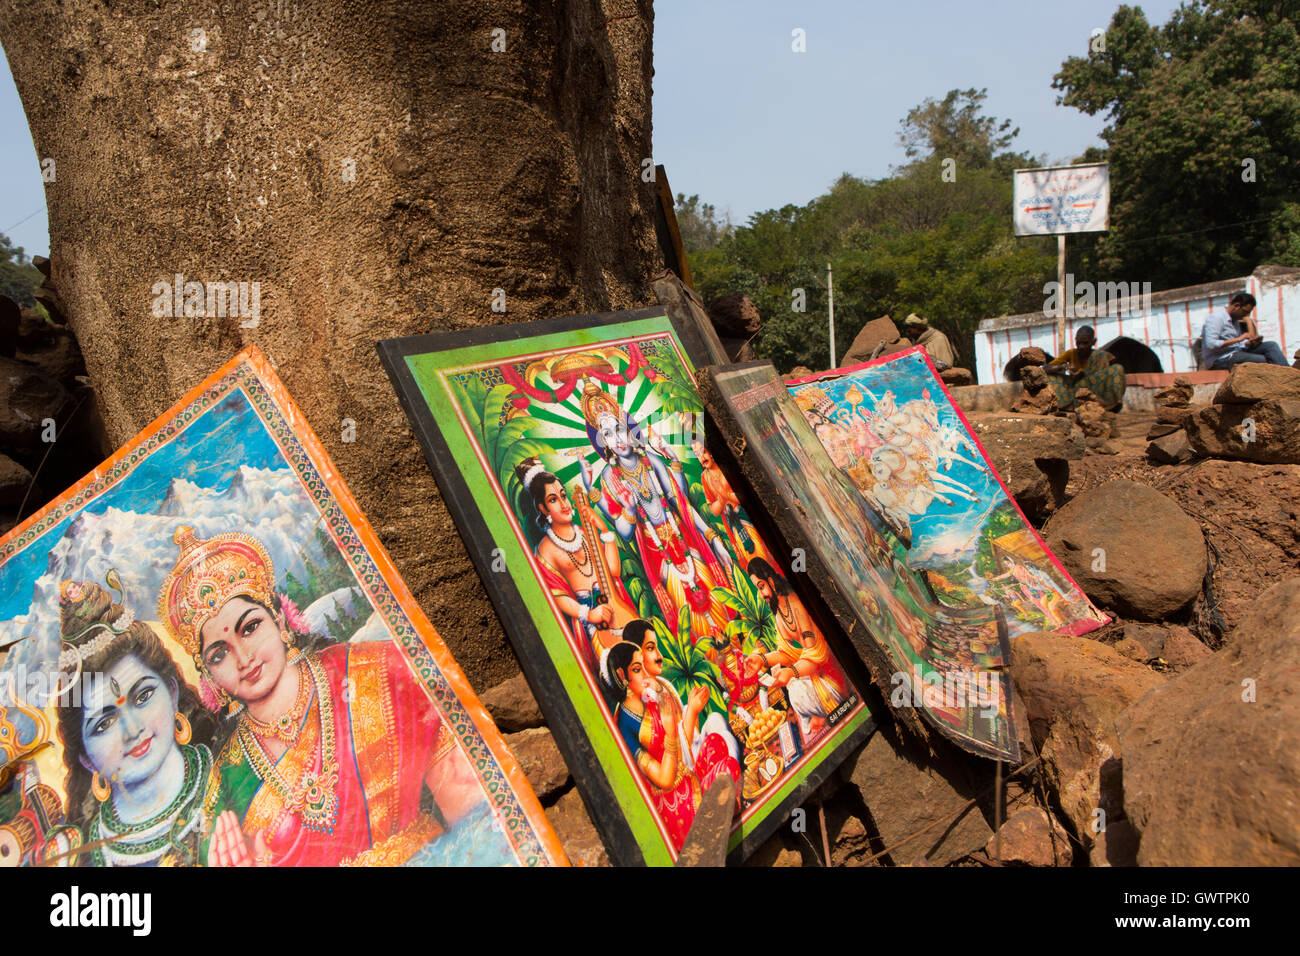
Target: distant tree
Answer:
[[955, 128], [913, 242], [699, 223], [1202, 137], [18, 277]]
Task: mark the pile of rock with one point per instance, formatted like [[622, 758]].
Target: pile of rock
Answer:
[[41, 384], [1255, 417], [878, 337], [1038, 398], [1094, 420], [1168, 435]]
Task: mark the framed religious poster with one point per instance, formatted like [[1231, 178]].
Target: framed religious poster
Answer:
[[211, 661], [891, 426], [661, 629], [941, 659]]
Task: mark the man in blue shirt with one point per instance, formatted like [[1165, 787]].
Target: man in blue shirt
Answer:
[[1230, 337]]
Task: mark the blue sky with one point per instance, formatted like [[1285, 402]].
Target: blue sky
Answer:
[[750, 125]]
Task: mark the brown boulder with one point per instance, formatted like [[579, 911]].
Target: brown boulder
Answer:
[[1031, 453], [1159, 429], [513, 706], [734, 314], [1031, 837], [1171, 449], [1177, 415], [1212, 758], [1029, 356], [1072, 689], [957, 377], [906, 789], [540, 760], [577, 833], [27, 398], [1037, 399], [1176, 395], [1267, 431], [878, 337], [14, 481], [1252, 382], [799, 371], [1132, 549], [1182, 649]]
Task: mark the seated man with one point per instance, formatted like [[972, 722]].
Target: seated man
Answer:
[[1086, 367], [1230, 337], [935, 342]]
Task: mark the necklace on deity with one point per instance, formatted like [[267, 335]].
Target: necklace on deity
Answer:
[[314, 796], [286, 726], [570, 545]]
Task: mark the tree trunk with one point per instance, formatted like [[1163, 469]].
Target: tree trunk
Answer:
[[378, 168]]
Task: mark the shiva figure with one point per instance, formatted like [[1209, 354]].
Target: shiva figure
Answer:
[[579, 564], [131, 736], [335, 757], [643, 494]]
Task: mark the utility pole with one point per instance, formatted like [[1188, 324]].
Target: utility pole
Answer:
[[1061, 343], [830, 307]]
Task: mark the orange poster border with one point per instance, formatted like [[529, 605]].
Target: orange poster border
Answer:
[[296, 421]]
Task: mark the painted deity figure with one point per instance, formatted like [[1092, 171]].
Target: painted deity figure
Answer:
[[801, 662], [643, 494], [651, 732], [579, 565], [332, 752], [745, 542], [128, 722]]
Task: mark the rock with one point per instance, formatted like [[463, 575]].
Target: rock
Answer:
[[10, 320], [957, 376], [799, 371], [906, 789], [1092, 418], [1252, 382], [513, 706], [774, 852], [1182, 649], [1150, 637], [540, 760], [1031, 453], [1212, 758], [1176, 395], [14, 482], [1038, 398], [576, 831], [1029, 356], [1267, 431], [1171, 449], [1072, 689], [1031, 837], [878, 337], [850, 842], [1133, 650], [1177, 415], [1131, 549], [734, 314], [50, 348], [1114, 845], [27, 398], [1159, 429]]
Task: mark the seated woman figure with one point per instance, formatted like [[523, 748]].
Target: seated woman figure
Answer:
[[1086, 367]]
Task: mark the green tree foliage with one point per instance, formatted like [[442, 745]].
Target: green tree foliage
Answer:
[[699, 223], [19, 279], [933, 238], [1196, 110]]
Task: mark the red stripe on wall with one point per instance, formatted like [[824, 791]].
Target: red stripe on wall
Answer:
[[1173, 354], [1281, 323]]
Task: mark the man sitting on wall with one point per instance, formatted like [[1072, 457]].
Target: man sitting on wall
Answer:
[[1086, 367], [1230, 337], [935, 342]]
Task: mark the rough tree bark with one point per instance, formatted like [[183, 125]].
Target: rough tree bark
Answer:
[[214, 140]]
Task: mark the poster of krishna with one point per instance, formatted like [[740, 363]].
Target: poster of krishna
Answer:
[[657, 625], [211, 661]]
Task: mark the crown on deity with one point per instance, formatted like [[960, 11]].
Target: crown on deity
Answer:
[[596, 402], [207, 575]]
